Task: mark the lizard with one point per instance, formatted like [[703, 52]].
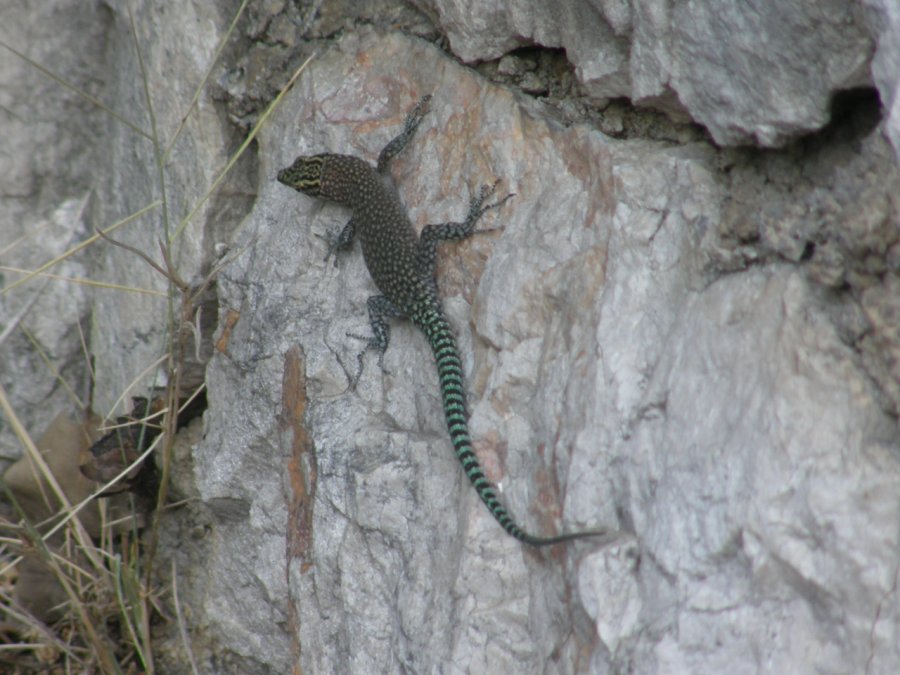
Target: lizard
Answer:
[[402, 265]]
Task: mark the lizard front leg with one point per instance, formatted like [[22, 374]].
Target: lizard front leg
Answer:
[[341, 241], [413, 120]]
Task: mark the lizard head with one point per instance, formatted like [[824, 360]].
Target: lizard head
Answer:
[[338, 178], [305, 175]]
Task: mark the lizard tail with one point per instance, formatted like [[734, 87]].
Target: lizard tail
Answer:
[[449, 368]]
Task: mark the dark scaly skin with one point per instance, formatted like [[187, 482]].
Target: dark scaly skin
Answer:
[[402, 266]]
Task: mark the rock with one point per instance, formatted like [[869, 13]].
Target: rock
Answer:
[[883, 19], [695, 345], [600, 353], [751, 73]]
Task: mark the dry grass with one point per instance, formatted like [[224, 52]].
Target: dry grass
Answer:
[[101, 561]]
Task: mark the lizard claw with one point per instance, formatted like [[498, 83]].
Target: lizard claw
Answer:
[[333, 240], [486, 191], [423, 107], [359, 357]]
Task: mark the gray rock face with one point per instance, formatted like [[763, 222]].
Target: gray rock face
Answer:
[[698, 347], [883, 17], [751, 72], [47, 136], [617, 380]]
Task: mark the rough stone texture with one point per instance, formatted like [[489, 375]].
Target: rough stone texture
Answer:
[[614, 373], [44, 192], [884, 20], [130, 331], [697, 346], [751, 72]]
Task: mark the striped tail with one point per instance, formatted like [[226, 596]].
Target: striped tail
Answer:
[[443, 344]]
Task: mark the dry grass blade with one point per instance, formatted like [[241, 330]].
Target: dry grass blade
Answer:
[[157, 149], [133, 610], [99, 645], [17, 319], [85, 282], [240, 151], [131, 249], [134, 382], [68, 85], [32, 233], [79, 247], [103, 488], [79, 404], [35, 456], [190, 400], [38, 627], [199, 90], [37, 631], [145, 421], [182, 628]]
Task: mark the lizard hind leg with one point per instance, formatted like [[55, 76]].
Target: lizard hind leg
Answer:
[[380, 310]]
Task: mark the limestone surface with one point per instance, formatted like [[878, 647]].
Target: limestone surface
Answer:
[[691, 339]]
